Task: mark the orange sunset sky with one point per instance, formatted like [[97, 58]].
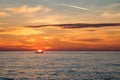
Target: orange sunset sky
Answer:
[[36, 24]]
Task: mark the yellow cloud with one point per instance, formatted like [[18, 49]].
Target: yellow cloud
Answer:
[[20, 31], [3, 14], [107, 14], [31, 40], [48, 19], [27, 9]]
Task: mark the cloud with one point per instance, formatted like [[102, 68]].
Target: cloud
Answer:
[[91, 30], [115, 6], [18, 31], [108, 14], [111, 11], [4, 14], [46, 19], [28, 9], [22, 15], [81, 40], [91, 40], [1, 23], [35, 15], [18, 42], [2, 30], [78, 25]]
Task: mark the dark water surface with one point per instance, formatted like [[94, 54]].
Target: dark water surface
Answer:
[[59, 65]]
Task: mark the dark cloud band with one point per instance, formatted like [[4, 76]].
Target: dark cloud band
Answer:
[[78, 25]]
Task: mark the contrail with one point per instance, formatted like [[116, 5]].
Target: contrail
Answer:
[[73, 6], [68, 5]]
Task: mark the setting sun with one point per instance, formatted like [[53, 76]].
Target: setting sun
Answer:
[[39, 51]]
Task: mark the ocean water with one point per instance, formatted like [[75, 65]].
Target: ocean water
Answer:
[[59, 65]]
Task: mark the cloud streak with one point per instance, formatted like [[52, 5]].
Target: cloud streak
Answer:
[[91, 40], [73, 6], [78, 25]]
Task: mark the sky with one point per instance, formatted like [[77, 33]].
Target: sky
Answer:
[[17, 17]]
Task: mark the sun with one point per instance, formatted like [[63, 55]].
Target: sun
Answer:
[[39, 51]]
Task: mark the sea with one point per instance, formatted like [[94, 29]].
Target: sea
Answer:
[[60, 65]]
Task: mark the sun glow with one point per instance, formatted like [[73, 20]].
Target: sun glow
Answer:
[[39, 50]]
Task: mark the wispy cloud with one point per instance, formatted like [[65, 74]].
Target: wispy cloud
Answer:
[[22, 15], [109, 15], [91, 40], [112, 11], [19, 31], [114, 6], [27, 9]]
